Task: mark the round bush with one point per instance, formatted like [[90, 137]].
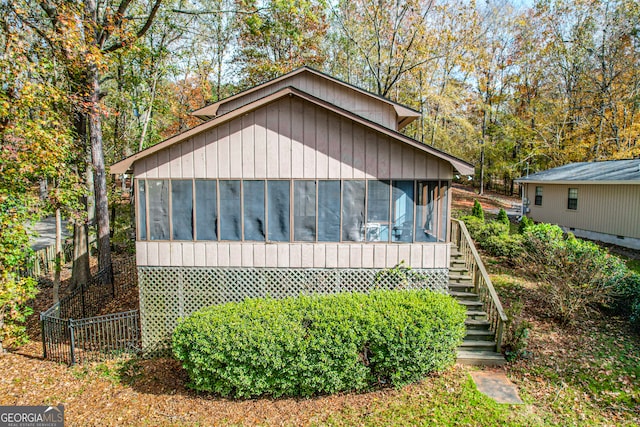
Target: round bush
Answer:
[[319, 344]]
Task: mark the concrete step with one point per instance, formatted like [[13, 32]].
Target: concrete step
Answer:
[[480, 358], [480, 335]]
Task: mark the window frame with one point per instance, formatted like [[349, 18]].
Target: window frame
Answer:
[[441, 206], [572, 202], [538, 197]]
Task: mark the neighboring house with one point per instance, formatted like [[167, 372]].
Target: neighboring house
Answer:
[[300, 184], [595, 200]]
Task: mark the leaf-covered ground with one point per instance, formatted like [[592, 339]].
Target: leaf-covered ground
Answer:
[[584, 374]]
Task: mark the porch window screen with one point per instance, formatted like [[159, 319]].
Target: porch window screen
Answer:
[[279, 204], [329, 211], [158, 209], [444, 206], [254, 215], [572, 202], [426, 212], [230, 212], [378, 202], [353, 210], [402, 202], [142, 210], [304, 211], [182, 209], [538, 200], [206, 210]]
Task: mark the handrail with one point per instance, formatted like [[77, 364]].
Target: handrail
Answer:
[[481, 282]]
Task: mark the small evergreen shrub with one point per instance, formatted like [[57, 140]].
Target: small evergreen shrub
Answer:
[[477, 210], [525, 223], [319, 344], [502, 217]]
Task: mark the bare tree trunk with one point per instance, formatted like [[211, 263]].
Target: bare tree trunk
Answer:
[[147, 118], [80, 270], [100, 176], [56, 277]]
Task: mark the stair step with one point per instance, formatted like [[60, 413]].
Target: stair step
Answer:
[[460, 287], [476, 324], [480, 345], [470, 304], [480, 335], [474, 314], [458, 270], [480, 358], [463, 295]]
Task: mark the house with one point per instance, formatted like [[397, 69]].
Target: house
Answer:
[[594, 200], [301, 184]]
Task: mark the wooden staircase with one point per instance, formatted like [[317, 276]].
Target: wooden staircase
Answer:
[[479, 345]]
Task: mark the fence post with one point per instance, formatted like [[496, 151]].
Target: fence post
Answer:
[[72, 342], [82, 299], [44, 337]]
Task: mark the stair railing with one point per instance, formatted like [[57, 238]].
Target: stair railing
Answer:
[[481, 282]]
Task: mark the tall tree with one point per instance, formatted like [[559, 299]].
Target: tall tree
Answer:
[[82, 35]]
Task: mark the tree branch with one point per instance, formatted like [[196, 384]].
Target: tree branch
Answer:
[[141, 32]]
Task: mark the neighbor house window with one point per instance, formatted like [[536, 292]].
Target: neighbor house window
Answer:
[[538, 200], [572, 202]]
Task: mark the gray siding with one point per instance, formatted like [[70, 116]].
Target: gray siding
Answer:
[[604, 208], [291, 138], [365, 106]]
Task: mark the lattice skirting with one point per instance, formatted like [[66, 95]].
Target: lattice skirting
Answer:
[[169, 293]]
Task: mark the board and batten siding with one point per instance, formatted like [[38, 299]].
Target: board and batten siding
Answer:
[[292, 255], [603, 208], [292, 139], [336, 94]]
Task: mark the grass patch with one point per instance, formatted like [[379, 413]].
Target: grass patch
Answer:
[[449, 399]]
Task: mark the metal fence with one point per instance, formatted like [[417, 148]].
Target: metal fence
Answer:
[[74, 332]]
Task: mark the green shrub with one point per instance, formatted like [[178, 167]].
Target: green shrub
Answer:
[[477, 210], [516, 334], [628, 297], [504, 245], [474, 225], [525, 223], [577, 275], [502, 217], [319, 344]]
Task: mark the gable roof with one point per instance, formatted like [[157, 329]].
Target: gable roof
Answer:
[[405, 114], [124, 165], [607, 172]]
